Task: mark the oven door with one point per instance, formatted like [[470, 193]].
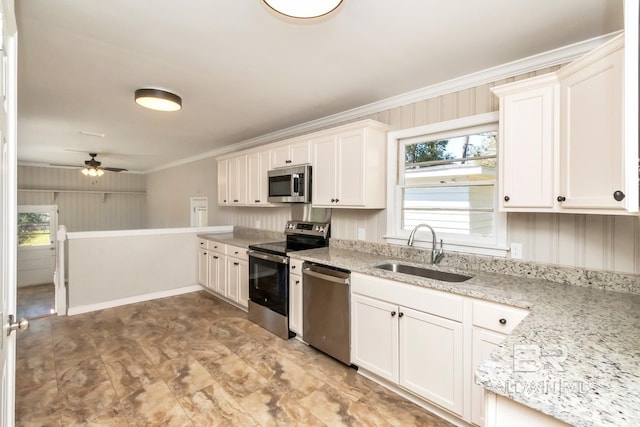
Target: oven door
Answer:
[[269, 281]]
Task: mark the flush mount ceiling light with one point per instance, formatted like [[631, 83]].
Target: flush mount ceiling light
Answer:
[[303, 8], [157, 99]]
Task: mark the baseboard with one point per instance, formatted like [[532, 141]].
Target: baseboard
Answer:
[[132, 300]]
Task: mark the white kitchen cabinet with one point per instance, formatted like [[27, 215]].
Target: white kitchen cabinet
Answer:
[[561, 144], [203, 267], [295, 297], [374, 336], [528, 144], [217, 268], [237, 286], [237, 176], [431, 362], [223, 182], [491, 324], [296, 152], [504, 412], [258, 165], [399, 334], [350, 167]]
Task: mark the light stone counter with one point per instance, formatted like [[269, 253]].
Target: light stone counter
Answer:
[[243, 237], [588, 370]]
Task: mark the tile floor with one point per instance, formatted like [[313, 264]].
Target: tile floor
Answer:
[[35, 301], [189, 360]]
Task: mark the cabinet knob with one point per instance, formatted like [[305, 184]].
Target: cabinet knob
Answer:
[[224, 201], [202, 243], [287, 161], [400, 314], [235, 252], [561, 198], [337, 200], [393, 313], [257, 201], [235, 263], [235, 201], [205, 253], [618, 196], [506, 198], [333, 200], [293, 267], [297, 282], [215, 257], [503, 321]]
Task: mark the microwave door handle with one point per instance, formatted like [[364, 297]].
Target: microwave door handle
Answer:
[[295, 184]]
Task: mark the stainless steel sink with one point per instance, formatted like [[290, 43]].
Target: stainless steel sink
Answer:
[[423, 272]]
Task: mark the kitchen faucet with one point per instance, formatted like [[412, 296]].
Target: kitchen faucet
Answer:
[[436, 254]]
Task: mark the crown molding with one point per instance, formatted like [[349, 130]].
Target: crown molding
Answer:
[[547, 59]]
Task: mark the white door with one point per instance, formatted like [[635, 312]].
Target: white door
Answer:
[[37, 243], [484, 342], [8, 217]]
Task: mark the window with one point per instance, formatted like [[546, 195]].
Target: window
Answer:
[[34, 229], [446, 177]]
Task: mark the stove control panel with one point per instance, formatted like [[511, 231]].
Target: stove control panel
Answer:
[[320, 229]]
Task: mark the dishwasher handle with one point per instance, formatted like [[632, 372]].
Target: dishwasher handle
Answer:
[[341, 280]]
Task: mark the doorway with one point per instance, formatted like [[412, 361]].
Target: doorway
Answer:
[[36, 260]]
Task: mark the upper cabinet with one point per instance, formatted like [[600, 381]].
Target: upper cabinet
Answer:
[[296, 152], [349, 164], [349, 167], [561, 139]]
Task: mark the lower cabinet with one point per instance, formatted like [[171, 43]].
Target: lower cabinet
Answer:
[[418, 350], [203, 267], [224, 269], [295, 297], [427, 342], [504, 412], [237, 289], [217, 272]]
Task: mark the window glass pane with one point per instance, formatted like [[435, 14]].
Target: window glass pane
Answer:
[[460, 209], [34, 229], [464, 147]]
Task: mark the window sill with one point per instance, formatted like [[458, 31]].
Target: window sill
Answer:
[[454, 246]]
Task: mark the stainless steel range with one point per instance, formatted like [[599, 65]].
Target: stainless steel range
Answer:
[[269, 268]]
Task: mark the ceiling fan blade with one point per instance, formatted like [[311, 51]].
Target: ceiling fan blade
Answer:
[[114, 169], [66, 166]]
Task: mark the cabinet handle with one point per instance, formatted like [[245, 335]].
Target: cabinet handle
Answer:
[[333, 200], [215, 257], [337, 200], [235, 201], [618, 196], [503, 321], [235, 263], [293, 267], [400, 314], [287, 161], [257, 201], [506, 198], [297, 282], [235, 252], [561, 198], [393, 313], [202, 243]]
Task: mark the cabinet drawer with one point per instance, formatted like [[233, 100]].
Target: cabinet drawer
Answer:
[[295, 266], [203, 243], [217, 247], [237, 252], [419, 298], [497, 317]]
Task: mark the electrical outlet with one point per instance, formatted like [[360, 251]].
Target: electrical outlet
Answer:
[[361, 233], [516, 250]]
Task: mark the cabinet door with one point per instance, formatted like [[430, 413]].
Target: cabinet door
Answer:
[[374, 336], [258, 164], [592, 144], [280, 156], [526, 145], [203, 267], [223, 182], [431, 358], [233, 280], [238, 180], [484, 342], [324, 171], [300, 152], [217, 272], [295, 303], [350, 189], [243, 283]]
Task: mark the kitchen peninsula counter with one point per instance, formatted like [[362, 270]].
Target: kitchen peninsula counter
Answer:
[[590, 337]]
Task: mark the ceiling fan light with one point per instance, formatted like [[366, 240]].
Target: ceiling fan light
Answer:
[[157, 99], [100, 172], [85, 171], [93, 172], [303, 9]]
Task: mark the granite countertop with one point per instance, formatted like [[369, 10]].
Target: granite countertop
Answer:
[[576, 356]]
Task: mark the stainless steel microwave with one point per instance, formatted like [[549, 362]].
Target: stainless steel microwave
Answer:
[[290, 184]]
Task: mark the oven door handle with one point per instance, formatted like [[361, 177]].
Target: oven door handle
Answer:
[[309, 272], [269, 257]]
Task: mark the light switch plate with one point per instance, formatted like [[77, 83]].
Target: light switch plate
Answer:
[[516, 250]]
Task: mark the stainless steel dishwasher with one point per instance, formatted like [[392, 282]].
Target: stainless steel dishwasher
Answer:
[[326, 310]]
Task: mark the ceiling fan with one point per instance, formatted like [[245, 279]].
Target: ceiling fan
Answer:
[[93, 167]]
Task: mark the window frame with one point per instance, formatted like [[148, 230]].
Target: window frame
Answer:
[[494, 245]]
